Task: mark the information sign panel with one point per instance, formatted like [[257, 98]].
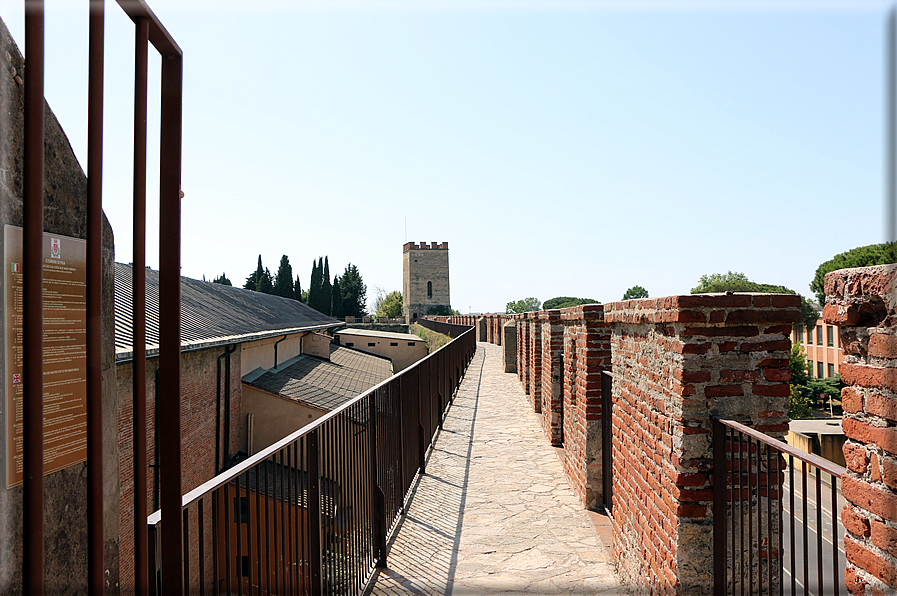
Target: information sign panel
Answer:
[[65, 352]]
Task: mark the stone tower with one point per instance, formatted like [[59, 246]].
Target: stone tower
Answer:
[[425, 280]]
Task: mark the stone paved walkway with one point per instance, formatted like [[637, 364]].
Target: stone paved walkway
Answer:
[[494, 513]]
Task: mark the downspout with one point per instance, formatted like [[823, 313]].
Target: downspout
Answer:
[[275, 349], [227, 352]]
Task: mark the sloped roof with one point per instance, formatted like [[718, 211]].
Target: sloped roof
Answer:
[[326, 385], [211, 314], [382, 334]]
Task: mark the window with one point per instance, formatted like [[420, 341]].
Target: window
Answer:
[[371, 344], [394, 343], [818, 335], [830, 336], [410, 343], [810, 368], [809, 335], [819, 370], [350, 345], [429, 289], [831, 370]]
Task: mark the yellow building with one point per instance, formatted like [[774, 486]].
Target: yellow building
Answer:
[[822, 347]]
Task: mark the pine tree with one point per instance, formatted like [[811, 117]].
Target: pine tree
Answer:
[[297, 290], [312, 285], [326, 289], [222, 279], [336, 309], [252, 281], [354, 292], [283, 284], [266, 283]]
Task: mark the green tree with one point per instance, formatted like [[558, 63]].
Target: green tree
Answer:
[[391, 305], [566, 302], [283, 282], [222, 279], [863, 256], [265, 283], [336, 300], [354, 292], [797, 362], [738, 282], [526, 305], [297, 290], [253, 280], [635, 292], [326, 289], [314, 286]]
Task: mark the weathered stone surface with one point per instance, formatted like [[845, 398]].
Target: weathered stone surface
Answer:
[[509, 347]]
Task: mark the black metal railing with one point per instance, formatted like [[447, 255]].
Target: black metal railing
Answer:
[[776, 537], [312, 513]]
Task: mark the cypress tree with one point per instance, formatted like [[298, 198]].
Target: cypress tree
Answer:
[[336, 309], [312, 285], [252, 281], [265, 283], [297, 291], [283, 283], [326, 289]]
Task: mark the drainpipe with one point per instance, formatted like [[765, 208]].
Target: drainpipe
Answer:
[[275, 349], [228, 351]]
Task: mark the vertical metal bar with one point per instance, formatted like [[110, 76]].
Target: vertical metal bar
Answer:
[[258, 524], [288, 551], [32, 305], [835, 539], [719, 506], [377, 509], [740, 575], [216, 541], [202, 558], [138, 307], [780, 481], [730, 437], [170, 321], [227, 572], [314, 515], [249, 526], [94, 305], [819, 564], [769, 579], [186, 525], [806, 549], [283, 526], [275, 564], [793, 544], [267, 496], [751, 516], [238, 522]]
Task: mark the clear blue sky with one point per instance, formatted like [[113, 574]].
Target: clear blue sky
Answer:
[[561, 148]]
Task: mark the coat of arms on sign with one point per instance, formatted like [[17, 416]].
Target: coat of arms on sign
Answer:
[[55, 248]]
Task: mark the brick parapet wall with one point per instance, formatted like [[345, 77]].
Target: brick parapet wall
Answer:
[[534, 378], [863, 303], [586, 351], [551, 378], [676, 362]]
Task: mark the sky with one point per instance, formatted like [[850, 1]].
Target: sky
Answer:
[[563, 148]]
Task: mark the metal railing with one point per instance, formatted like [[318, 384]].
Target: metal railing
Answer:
[[149, 30], [312, 513], [775, 537]]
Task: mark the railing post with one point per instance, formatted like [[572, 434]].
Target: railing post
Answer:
[[720, 515], [314, 516], [376, 492]]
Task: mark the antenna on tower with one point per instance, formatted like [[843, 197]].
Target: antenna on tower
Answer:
[[406, 229]]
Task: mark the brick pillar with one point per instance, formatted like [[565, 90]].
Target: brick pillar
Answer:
[[862, 303], [677, 361], [586, 345], [534, 376], [509, 346], [481, 329], [551, 377], [521, 350]]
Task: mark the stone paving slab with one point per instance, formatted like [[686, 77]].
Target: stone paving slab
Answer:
[[494, 513]]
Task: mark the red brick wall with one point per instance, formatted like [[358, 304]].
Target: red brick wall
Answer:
[[551, 379], [862, 303], [677, 361], [535, 361], [586, 345], [198, 400]]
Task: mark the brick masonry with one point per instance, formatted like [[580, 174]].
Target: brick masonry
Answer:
[[676, 362], [862, 303]]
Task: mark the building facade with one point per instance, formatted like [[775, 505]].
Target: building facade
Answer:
[[425, 280], [822, 347]]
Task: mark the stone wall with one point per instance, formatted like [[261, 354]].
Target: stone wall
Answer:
[[863, 303], [676, 362], [65, 491], [424, 264]]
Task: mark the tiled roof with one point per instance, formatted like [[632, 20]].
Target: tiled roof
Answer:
[[326, 385], [383, 334], [210, 313]]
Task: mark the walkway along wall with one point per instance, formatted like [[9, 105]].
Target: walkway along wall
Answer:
[[676, 361], [862, 303]]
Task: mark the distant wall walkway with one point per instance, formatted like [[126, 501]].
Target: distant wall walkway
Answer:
[[494, 513]]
